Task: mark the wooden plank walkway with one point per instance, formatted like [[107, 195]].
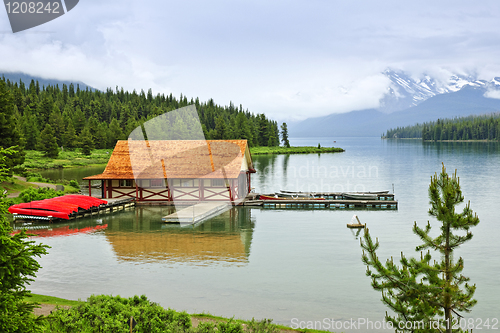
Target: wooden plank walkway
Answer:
[[198, 212], [298, 203]]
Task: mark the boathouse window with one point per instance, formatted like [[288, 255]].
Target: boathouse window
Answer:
[[156, 182], [186, 183], [125, 182], [218, 183]]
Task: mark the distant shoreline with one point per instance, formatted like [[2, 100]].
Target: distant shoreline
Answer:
[[485, 140], [293, 150]]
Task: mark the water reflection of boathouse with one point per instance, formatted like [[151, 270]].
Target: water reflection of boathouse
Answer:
[[223, 239]]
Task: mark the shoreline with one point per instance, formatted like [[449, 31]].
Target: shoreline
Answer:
[[278, 150], [48, 304], [35, 161], [485, 140]]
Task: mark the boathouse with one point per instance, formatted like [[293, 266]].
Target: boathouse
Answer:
[[177, 170]]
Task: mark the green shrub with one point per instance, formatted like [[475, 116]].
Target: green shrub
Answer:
[[19, 169], [105, 313], [32, 194], [263, 326], [35, 177], [74, 183], [205, 327], [230, 326]]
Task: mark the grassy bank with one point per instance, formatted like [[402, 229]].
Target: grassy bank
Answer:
[[14, 185], [66, 159], [114, 312], [294, 150], [42, 299]]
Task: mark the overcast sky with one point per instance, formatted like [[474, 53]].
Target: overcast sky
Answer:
[[287, 59]]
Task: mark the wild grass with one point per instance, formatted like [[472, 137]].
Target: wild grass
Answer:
[[66, 159], [294, 150], [43, 299], [106, 312]]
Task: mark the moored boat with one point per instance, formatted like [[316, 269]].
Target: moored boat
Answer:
[[276, 197], [360, 196]]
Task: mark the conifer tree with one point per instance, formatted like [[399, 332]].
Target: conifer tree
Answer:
[[48, 142], [87, 142], [69, 137], [9, 133], [423, 290], [18, 267], [284, 135], [220, 132]]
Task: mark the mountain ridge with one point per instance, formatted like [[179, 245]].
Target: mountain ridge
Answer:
[[26, 78], [407, 102], [373, 122]]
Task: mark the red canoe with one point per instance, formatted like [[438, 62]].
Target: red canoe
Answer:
[[59, 207]]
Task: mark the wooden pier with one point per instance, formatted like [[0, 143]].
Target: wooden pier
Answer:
[[327, 200], [198, 212], [323, 204]]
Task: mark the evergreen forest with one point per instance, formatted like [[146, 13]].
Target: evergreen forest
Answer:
[[485, 127], [45, 118]]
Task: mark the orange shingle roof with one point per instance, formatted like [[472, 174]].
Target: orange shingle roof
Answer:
[[176, 159]]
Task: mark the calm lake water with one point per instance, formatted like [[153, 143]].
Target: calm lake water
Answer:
[[288, 265]]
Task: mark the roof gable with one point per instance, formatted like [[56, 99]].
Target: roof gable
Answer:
[[176, 159]]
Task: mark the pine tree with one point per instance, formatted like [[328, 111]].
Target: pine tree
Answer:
[[87, 142], [69, 137], [284, 135], [57, 122], [9, 133], [48, 142], [100, 136], [115, 133], [422, 290], [18, 267], [220, 129], [30, 129]]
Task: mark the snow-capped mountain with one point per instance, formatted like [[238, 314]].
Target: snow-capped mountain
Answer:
[[405, 91], [409, 101]]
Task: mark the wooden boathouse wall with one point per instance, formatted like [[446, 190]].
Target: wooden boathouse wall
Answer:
[[181, 170], [177, 189]]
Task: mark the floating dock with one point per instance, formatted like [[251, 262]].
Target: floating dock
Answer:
[[327, 200], [323, 204], [197, 213]]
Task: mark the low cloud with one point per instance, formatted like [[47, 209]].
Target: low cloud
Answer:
[[288, 59]]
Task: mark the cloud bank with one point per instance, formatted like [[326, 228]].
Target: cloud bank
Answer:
[[288, 59]]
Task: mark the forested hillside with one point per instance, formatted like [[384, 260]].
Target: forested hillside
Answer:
[[69, 117], [486, 127]]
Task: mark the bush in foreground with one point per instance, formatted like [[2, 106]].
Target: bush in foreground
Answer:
[[104, 313], [32, 194], [18, 267]]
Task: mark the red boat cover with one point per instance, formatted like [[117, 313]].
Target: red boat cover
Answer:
[[60, 207]]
